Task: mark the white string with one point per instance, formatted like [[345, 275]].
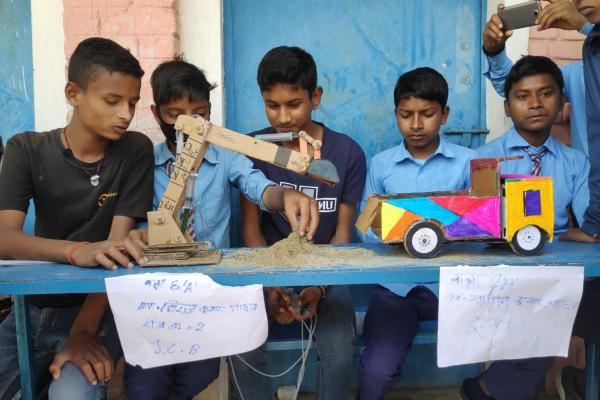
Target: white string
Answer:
[[235, 379], [311, 330], [303, 357], [559, 386]]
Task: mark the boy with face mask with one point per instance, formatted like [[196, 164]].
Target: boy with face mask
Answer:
[[180, 88]]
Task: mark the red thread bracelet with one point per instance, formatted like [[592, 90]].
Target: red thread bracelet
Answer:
[[71, 249]]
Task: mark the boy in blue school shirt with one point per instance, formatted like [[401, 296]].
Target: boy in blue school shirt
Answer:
[[559, 14], [424, 162], [180, 88], [287, 78], [533, 92]]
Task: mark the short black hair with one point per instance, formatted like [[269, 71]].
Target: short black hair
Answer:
[[94, 53], [533, 65], [287, 65], [176, 79], [421, 83]]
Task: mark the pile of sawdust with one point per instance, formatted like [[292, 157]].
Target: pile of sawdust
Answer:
[[298, 252]]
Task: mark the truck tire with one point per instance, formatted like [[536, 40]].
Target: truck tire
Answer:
[[529, 240], [423, 240]]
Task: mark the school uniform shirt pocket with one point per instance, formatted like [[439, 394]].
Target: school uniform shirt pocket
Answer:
[[211, 214]]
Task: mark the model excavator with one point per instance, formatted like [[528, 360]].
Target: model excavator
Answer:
[[168, 241]]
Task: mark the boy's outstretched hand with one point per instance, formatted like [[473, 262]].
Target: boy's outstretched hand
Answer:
[[86, 352], [308, 300], [298, 204], [560, 14], [109, 254], [577, 235], [494, 36]]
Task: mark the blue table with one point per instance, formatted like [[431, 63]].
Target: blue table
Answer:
[[391, 265]]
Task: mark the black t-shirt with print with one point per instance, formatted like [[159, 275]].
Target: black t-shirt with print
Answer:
[[67, 206]]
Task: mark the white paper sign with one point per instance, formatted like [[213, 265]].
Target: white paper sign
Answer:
[[500, 313], [167, 318]]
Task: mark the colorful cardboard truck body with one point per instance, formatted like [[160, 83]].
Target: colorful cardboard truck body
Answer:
[[518, 209]]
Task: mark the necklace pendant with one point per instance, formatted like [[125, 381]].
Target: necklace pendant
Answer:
[[95, 180]]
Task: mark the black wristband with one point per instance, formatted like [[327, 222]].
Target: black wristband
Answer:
[[493, 53]]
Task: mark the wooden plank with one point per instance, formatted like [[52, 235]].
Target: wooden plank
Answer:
[[391, 265]]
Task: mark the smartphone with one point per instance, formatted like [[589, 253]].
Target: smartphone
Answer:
[[520, 15]]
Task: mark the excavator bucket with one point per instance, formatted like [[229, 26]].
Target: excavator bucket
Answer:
[[323, 171]]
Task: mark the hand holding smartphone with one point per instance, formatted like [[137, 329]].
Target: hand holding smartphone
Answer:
[[520, 15]]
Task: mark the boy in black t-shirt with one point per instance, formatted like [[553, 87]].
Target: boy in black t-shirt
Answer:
[[287, 77], [90, 182]]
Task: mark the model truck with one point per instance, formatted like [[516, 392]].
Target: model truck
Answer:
[[510, 208]]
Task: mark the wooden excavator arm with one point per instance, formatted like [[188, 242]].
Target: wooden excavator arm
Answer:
[[165, 237]]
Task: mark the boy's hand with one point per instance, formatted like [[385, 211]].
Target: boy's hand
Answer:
[[296, 203], [278, 304], [86, 352], [560, 14], [309, 299], [109, 253], [577, 235], [139, 236], [493, 35]]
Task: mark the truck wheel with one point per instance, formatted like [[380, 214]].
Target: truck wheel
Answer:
[[423, 240], [529, 240]]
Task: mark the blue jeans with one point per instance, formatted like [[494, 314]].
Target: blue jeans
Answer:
[[180, 381], [334, 341], [391, 324], [49, 329]]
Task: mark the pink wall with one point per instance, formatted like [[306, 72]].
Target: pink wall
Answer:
[[561, 46], [148, 28]]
